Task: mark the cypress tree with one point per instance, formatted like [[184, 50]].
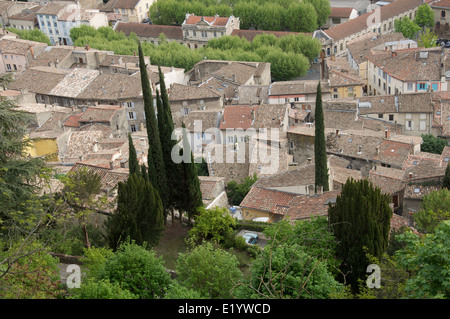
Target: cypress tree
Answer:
[[166, 128], [446, 179], [191, 198], [320, 153], [157, 172], [360, 220], [139, 215], [133, 164]]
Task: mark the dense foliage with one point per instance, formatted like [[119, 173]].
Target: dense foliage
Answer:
[[278, 15], [290, 56], [360, 221]]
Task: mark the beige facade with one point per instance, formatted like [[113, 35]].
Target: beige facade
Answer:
[[197, 31], [380, 21], [133, 10]]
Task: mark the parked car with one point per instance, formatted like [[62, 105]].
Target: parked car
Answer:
[[250, 238]]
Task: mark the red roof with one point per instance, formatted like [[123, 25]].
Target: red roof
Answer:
[[217, 21], [73, 120], [359, 24], [238, 116], [267, 200], [340, 12]]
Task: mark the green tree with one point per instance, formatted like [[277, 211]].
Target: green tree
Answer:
[[102, 289], [446, 179], [137, 270], [313, 235], [287, 271], [320, 153], [212, 224], [302, 17], [20, 176], [323, 10], [427, 39], [435, 207], [166, 130], [424, 16], [157, 171], [190, 198], [177, 291], [82, 194], [428, 259], [237, 191], [433, 144], [33, 276], [32, 35], [360, 221], [209, 270], [139, 214], [133, 164], [406, 27]]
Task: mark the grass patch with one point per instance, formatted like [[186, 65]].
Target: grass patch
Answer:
[[172, 243]]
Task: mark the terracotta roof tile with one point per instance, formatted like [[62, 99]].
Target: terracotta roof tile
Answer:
[[149, 30], [358, 24], [266, 199], [238, 116], [216, 20]]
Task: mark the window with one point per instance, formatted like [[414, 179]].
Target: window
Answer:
[[380, 116], [422, 86], [130, 104], [131, 115], [443, 14], [422, 125], [186, 33], [296, 99], [185, 111], [409, 125], [291, 145], [8, 67], [389, 90], [194, 33], [133, 128], [215, 34], [204, 34], [391, 117], [410, 87]]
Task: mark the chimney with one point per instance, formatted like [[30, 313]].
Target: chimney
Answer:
[[311, 190], [337, 132], [393, 54], [320, 190], [111, 165], [309, 160], [386, 133], [95, 148], [410, 176], [87, 47], [378, 149]]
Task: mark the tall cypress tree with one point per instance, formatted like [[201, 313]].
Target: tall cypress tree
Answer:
[[320, 153], [139, 215], [166, 128], [360, 219], [191, 198], [157, 171], [133, 164]]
